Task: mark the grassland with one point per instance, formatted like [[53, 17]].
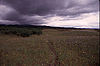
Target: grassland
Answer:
[[55, 47]]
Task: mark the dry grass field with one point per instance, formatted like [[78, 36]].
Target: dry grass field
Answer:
[[55, 47]]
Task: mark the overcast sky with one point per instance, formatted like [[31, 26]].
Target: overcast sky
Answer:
[[59, 13]]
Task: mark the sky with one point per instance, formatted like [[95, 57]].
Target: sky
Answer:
[[57, 13]]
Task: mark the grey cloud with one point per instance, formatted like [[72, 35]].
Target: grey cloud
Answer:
[[7, 22], [25, 11], [35, 6], [32, 20], [44, 7], [5, 10], [8, 13], [78, 8]]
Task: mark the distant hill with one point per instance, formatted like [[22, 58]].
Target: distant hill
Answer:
[[40, 26]]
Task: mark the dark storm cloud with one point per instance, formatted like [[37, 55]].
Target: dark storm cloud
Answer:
[[32, 20], [9, 13], [77, 8], [42, 7], [35, 6], [25, 11]]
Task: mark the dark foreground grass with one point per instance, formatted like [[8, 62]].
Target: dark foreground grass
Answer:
[[52, 48]]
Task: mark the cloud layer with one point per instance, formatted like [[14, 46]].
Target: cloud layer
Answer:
[[87, 20], [36, 12]]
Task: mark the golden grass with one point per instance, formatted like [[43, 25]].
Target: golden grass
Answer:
[[73, 48]]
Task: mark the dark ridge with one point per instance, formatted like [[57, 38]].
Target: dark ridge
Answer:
[[47, 27]]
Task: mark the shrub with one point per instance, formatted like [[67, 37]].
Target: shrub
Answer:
[[20, 31]]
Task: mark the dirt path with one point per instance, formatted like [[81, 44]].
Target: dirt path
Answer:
[[51, 47]]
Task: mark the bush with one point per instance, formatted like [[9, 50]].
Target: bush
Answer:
[[20, 31]]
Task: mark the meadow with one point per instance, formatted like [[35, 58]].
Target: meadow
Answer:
[[54, 47]]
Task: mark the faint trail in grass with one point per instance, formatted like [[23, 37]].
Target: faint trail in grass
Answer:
[[51, 47]]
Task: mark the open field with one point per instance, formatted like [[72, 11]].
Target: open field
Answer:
[[55, 47]]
